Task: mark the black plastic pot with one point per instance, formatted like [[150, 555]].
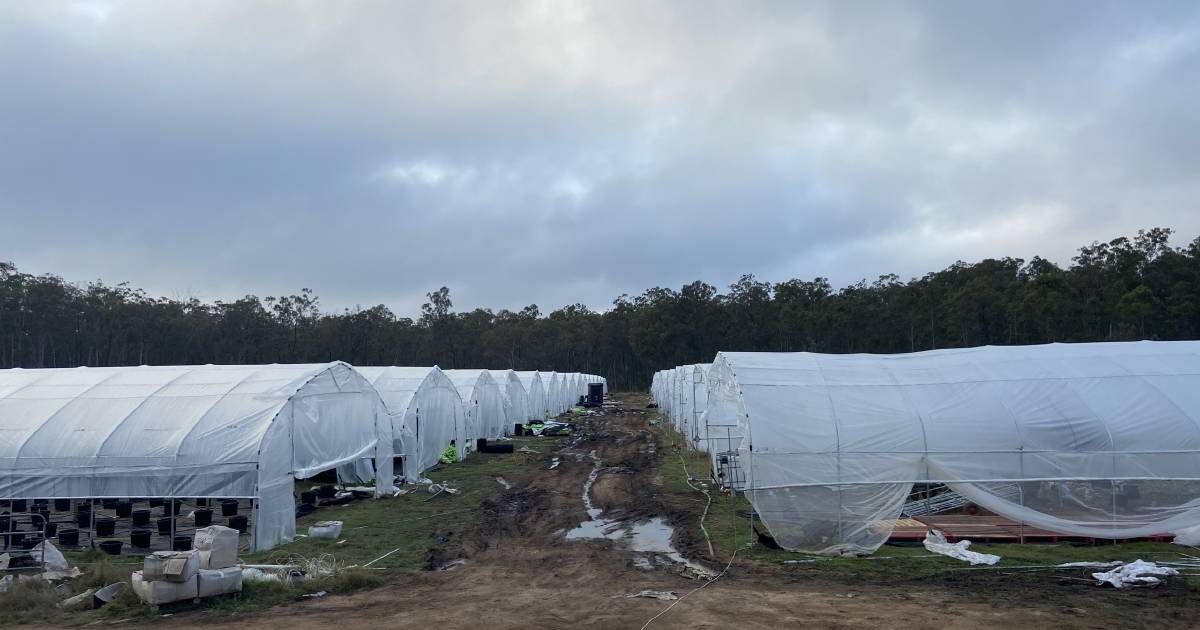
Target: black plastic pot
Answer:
[[105, 526], [156, 503], [308, 497], [62, 505], [41, 503], [201, 502], [203, 518], [108, 504], [83, 518], [229, 507], [112, 547], [31, 541], [140, 538], [19, 505], [165, 525], [51, 529], [68, 537], [141, 517], [239, 523], [124, 509], [182, 543]]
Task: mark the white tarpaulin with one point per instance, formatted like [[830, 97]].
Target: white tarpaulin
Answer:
[[186, 431], [1101, 440], [426, 413]]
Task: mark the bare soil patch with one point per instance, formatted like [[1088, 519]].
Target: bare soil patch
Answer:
[[519, 571]]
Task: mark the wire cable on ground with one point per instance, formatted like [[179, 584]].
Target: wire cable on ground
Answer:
[[681, 597]]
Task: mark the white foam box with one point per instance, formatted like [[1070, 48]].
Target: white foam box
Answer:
[[217, 546], [325, 529], [155, 592], [170, 566], [219, 581]]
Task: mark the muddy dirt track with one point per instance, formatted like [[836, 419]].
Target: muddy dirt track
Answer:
[[520, 571]]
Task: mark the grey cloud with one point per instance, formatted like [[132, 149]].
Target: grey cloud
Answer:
[[569, 152]]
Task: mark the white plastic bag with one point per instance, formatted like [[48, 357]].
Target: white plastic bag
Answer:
[[936, 542]]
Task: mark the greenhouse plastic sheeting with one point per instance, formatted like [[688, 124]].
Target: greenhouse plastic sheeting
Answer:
[[516, 401], [426, 413], [1100, 440], [482, 400], [535, 389], [188, 431]]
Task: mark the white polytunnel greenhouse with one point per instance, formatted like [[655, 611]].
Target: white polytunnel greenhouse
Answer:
[[536, 391], [1096, 440], [426, 413], [695, 401], [207, 431], [573, 382], [554, 395], [516, 400], [482, 401]]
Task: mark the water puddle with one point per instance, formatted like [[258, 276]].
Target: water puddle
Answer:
[[652, 536]]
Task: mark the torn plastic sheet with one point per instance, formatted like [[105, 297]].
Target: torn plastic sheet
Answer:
[[53, 559], [1188, 537], [935, 541], [1136, 573]]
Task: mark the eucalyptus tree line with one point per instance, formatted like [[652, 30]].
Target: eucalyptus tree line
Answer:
[[1127, 288]]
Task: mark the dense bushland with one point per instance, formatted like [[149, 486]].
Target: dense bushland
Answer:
[[1128, 288]]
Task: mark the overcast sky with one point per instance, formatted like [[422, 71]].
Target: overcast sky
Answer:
[[557, 152]]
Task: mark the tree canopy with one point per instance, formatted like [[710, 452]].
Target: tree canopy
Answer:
[[1124, 289]]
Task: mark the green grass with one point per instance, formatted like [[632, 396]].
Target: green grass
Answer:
[[407, 525]]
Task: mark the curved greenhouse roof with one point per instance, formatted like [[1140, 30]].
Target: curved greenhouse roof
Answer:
[[483, 402], [516, 400], [535, 389], [186, 431], [426, 413], [1098, 440]]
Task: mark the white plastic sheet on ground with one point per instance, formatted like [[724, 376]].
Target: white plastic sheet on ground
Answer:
[[936, 542], [1101, 440], [187, 431], [1136, 573]]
